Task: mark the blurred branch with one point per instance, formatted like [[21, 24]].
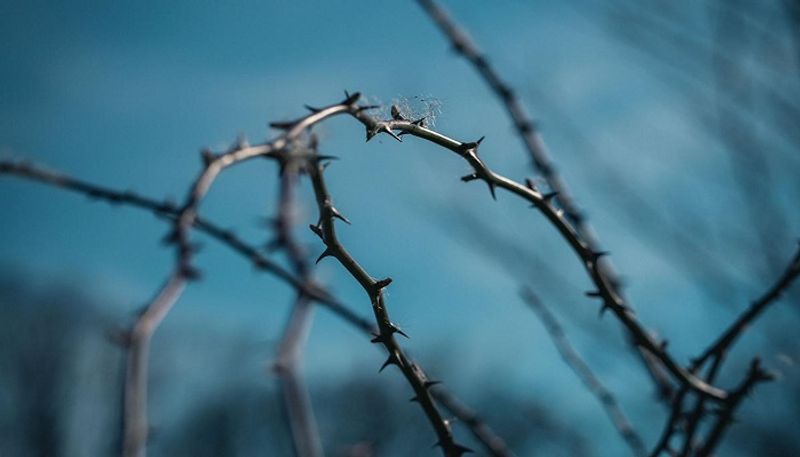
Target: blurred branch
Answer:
[[722, 345], [540, 157], [299, 412], [250, 253], [492, 444], [137, 345], [725, 415], [585, 374]]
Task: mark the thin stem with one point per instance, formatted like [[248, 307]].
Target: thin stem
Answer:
[[585, 374], [540, 157], [134, 415], [296, 399], [725, 416], [413, 373], [726, 340], [251, 253], [492, 444], [588, 257]]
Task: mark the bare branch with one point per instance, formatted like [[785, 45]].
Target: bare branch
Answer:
[[480, 430], [134, 415], [585, 374], [296, 398], [540, 158], [589, 258], [413, 373], [723, 344]]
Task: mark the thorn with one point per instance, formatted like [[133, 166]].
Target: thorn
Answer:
[[480, 140], [593, 294], [312, 109], [420, 122], [282, 125], [316, 229], [595, 256], [471, 177], [380, 284], [492, 189], [603, 309], [382, 127], [368, 107], [351, 98], [377, 339], [548, 197], [429, 384], [391, 360], [327, 252], [530, 185], [335, 212], [322, 157], [413, 399], [190, 273], [396, 114], [208, 156], [396, 329]]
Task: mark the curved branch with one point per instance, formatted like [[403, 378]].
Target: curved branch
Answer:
[[538, 153], [588, 257], [413, 373]]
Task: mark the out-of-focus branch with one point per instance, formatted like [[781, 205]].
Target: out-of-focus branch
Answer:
[[585, 374], [716, 354], [540, 157], [137, 343], [725, 416], [722, 345], [415, 376], [297, 403], [492, 444], [251, 253]]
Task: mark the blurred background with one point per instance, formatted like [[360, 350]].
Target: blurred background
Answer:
[[676, 125]]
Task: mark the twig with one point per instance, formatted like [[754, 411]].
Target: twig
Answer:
[[541, 201], [300, 414], [169, 210], [134, 422], [585, 374], [725, 416], [723, 344], [719, 349], [413, 373], [492, 444], [540, 157], [480, 430]]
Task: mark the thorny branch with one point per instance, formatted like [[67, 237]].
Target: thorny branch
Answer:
[[413, 373], [186, 217], [585, 374], [480, 430], [716, 353], [542, 163], [543, 202]]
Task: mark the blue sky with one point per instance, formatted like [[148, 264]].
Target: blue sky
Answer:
[[126, 94]]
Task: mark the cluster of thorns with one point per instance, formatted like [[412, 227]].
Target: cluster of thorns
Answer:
[[695, 402]]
